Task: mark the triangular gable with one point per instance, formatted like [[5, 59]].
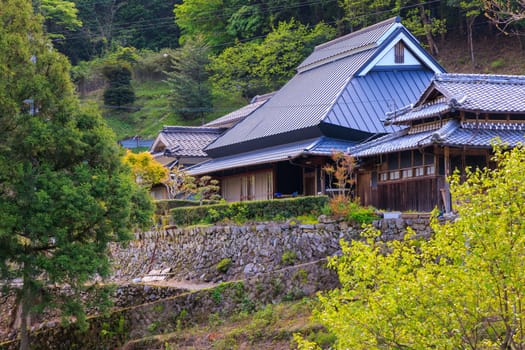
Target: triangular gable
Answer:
[[412, 47], [159, 144]]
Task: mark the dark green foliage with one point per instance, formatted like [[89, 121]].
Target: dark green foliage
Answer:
[[119, 96], [119, 92], [190, 95], [223, 22], [359, 214], [257, 67], [248, 211], [65, 192]]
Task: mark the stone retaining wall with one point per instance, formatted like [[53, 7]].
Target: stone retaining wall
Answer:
[[193, 253], [190, 308]]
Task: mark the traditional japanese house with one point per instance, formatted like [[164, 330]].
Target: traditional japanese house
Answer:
[[337, 99], [451, 126]]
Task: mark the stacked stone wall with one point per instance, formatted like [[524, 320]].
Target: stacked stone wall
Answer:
[[194, 253]]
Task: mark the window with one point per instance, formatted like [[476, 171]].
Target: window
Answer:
[[399, 52], [394, 175], [407, 173]]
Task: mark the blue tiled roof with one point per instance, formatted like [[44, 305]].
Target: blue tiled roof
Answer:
[[395, 142], [453, 134], [483, 137], [467, 92], [421, 112], [185, 141], [483, 92]]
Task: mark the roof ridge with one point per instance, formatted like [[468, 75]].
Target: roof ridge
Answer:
[[480, 78], [173, 128], [261, 98], [358, 32]]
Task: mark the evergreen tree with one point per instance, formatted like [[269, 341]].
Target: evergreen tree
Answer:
[[190, 89], [119, 92], [64, 191]]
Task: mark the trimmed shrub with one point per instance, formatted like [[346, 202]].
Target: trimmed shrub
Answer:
[[165, 205], [249, 211]]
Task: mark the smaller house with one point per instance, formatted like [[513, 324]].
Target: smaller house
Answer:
[[451, 126], [183, 145], [180, 146]]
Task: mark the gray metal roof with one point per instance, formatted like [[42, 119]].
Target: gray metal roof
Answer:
[[466, 92], [230, 119], [184, 141], [326, 97], [262, 156], [365, 100], [299, 104], [349, 44], [322, 146]]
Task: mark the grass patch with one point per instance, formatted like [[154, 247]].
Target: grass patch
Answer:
[[270, 327]]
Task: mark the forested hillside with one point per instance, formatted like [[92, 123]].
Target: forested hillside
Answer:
[[153, 63]]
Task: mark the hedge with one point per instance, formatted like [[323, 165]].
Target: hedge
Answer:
[[165, 205], [280, 209]]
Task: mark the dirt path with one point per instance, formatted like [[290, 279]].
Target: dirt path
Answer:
[[189, 285]]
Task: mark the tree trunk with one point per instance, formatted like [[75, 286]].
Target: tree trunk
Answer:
[[430, 39], [24, 319], [470, 23]]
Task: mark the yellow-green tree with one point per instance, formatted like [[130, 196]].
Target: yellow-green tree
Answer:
[[147, 171], [462, 289]]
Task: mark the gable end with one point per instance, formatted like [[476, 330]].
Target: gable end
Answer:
[[414, 54]]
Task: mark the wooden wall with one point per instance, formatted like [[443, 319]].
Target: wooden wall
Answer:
[[421, 194]]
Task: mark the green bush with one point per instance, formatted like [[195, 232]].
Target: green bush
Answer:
[[359, 214], [240, 212], [224, 265], [288, 258]]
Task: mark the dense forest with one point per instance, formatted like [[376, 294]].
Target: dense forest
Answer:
[[186, 62]]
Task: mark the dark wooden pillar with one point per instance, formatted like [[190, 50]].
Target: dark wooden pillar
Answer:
[[446, 190]]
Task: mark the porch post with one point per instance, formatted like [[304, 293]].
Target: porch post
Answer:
[[446, 192]]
